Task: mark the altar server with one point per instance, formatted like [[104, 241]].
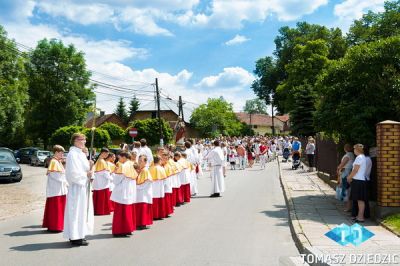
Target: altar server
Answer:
[[158, 175], [79, 218], [176, 180], [144, 195], [56, 192], [168, 184], [101, 185], [124, 197], [185, 176]]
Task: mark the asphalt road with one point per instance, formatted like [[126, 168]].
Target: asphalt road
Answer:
[[17, 198], [247, 226]]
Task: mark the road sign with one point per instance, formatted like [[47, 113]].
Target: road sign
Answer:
[[133, 132]]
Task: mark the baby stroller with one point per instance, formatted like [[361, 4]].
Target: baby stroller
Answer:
[[286, 154], [296, 160]]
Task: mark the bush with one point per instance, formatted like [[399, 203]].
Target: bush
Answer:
[[101, 137], [149, 129], [62, 136], [115, 131]]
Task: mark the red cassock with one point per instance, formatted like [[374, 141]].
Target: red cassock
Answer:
[[186, 192], [178, 195], [101, 202], [159, 208], [144, 214], [53, 218], [168, 204], [124, 219]]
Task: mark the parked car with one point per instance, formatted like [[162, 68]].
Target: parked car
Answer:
[[9, 168], [39, 156], [48, 159], [24, 154]]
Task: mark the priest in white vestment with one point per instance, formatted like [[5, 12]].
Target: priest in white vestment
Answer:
[[78, 218], [216, 159]]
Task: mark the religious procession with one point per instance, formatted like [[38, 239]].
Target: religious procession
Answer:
[[136, 187]]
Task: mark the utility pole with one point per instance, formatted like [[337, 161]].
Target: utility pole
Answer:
[[272, 112], [180, 105], [159, 114]]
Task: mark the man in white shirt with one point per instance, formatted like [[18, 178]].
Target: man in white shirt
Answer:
[[144, 150]]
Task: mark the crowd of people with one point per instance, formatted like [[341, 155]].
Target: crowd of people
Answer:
[[138, 187], [135, 186]]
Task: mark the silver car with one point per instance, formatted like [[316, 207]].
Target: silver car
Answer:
[[38, 157]]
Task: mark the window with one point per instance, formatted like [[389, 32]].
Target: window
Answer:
[[254, 126], [154, 114]]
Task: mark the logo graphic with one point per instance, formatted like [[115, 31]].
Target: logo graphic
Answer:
[[344, 234]]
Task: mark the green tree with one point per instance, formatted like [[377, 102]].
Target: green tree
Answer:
[[13, 93], [302, 114], [361, 90], [374, 26], [121, 110], [150, 130], [133, 106], [255, 106], [115, 131], [59, 88], [216, 117]]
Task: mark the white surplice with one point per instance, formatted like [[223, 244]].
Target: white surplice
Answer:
[[216, 159], [78, 222]]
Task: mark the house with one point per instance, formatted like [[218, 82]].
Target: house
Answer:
[[261, 123], [103, 118], [169, 111]]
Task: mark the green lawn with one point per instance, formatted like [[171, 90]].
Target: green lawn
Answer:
[[393, 221]]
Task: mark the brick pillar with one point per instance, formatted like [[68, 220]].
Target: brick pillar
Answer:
[[388, 166]]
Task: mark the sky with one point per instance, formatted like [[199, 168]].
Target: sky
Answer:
[[196, 48]]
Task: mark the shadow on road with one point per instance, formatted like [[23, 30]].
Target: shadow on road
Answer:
[[28, 233], [42, 246], [99, 236], [32, 226], [280, 212]]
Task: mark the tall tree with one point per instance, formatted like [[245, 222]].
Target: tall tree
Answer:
[[121, 110], [59, 88], [255, 106], [13, 92], [374, 26], [216, 117], [133, 106], [361, 90]]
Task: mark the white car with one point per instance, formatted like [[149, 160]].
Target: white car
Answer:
[[38, 157]]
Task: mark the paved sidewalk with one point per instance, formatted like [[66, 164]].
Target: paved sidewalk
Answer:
[[314, 211]]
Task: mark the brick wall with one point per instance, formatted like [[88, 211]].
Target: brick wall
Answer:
[[388, 142]]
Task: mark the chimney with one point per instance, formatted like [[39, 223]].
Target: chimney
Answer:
[[102, 113]]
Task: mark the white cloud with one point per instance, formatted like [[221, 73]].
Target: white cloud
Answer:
[[146, 16], [238, 39], [84, 14], [232, 15], [349, 10]]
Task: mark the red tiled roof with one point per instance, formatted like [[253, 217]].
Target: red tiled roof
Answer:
[[105, 118], [258, 119]]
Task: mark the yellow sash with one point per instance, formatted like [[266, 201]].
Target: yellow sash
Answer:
[[144, 175], [101, 165], [157, 172], [55, 166]]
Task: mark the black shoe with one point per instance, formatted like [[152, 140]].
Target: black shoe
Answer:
[[213, 195], [79, 242], [217, 195], [141, 227]]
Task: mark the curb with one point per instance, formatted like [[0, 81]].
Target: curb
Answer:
[[300, 239], [389, 229]]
